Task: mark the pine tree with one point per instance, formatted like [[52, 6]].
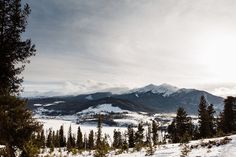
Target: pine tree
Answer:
[[131, 137], [79, 141], [49, 142], [181, 128], [56, 140], [125, 145], [16, 122], [139, 137], [228, 115], [212, 120], [91, 140], [203, 116], [173, 132], [70, 140], [220, 124], [154, 132], [85, 143], [62, 139], [14, 50], [117, 140], [102, 145], [148, 136], [42, 139], [99, 131]]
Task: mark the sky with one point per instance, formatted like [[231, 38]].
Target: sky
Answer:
[[84, 46]]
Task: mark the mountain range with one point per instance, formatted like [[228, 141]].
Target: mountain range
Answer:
[[151, 98]]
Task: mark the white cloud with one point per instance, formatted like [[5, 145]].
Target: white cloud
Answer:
[[225, 91], [131, 43], [32, 89]]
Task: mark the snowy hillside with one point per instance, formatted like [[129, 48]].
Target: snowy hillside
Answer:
[[113, 115], [199, 148]]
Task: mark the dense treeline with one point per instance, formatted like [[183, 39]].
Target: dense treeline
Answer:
[[209, 125], [97, 141]]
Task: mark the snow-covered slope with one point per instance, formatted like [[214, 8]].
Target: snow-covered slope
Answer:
[[103, 108], [113, 115], [164, 89], [165, 150]]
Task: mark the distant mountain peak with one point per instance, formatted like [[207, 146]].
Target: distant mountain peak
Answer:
[[164, 89]]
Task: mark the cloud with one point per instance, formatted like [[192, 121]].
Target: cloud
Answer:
[[36, 89], [225, 91], [130, 43]]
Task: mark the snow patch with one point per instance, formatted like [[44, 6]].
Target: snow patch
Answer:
[[90, 97], [45, 105], [103, 108]]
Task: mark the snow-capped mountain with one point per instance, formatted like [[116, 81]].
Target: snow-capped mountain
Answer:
[[164, 89], [151, 98]]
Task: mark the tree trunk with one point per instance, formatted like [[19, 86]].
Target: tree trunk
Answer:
[[10, 151]]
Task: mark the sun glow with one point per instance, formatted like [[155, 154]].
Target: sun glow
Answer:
[[217, 52]]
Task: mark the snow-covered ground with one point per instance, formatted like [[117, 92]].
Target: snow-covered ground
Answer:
[[168, 150]]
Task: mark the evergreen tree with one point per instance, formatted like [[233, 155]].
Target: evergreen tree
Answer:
[[56, 141], [150, 149], [220, 124], [181, 129], [16, 123], [42, 139], [102, 145], [79, 141], [91, 140], [125, 145], [117, 140], [228, 115], [32, 147], [70, 140], [14, 50], [154, 132], [203, 116], [139, 136], [62, 139], [148, 136], [49, 142], [212, 120], [99, 131], [131, 137], [85, 143], [173, 132]]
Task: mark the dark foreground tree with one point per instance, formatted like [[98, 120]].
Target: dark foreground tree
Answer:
[[62, 138], [14, 51], [16, 123], [79, 140], [91, 140], [181, 129], [102, 146], [203, 116], [229, 124], [154, 132], [211, 119], [131, 137]]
